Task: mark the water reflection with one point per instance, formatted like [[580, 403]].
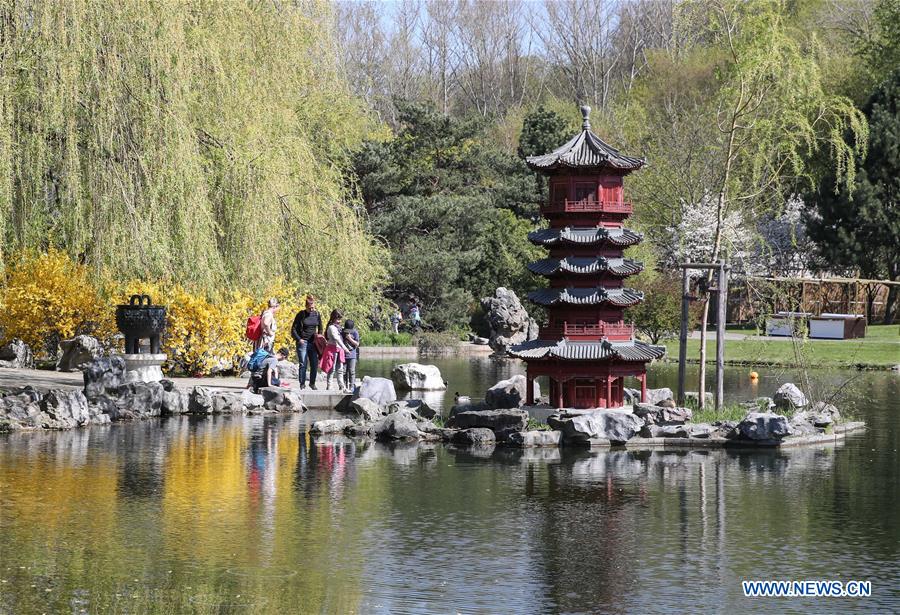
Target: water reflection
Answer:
[[252, 513]]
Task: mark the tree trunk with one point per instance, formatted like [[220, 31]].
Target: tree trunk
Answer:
[[889, 305]]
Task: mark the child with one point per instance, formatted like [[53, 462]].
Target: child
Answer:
[[332, 361], [351, 339]]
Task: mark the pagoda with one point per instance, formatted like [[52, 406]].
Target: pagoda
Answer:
[[586, 349]]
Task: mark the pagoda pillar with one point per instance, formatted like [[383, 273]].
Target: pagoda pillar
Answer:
[[529, 392], [644, 388], [560, 385], [609, 401]]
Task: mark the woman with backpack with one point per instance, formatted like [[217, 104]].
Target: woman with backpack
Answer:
[[335, 351]]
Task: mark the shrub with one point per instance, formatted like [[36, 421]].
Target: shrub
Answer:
[[49, 297], [385, 338]]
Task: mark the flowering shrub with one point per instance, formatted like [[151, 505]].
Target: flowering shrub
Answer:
[[49, 297]]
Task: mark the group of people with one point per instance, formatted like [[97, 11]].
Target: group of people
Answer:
[[415, 317], [333, 348]]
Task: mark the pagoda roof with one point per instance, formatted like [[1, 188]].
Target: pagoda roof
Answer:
[[585, 151], [586, 264], [585, 236], [631, 350], [619, 297]]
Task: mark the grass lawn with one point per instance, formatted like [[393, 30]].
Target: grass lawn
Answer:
[[880, 348]]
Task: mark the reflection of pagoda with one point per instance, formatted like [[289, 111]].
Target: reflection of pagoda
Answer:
[[586, 349]]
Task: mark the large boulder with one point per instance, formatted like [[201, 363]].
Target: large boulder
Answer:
[[510, 393], [330, 426], [103, 376], [366, 409], [612, 425], [474, 436], [654, 396], [789, 397], [763, 426], [379, 390], [397, 426], [693, 398], [278, 399], [138, 400], [417, 377], [251, 400], [288, 370], [16, 354], [64, 409], [819, 416], [78, 352], [508, 320], [495, 420], [659, 415], [534, 438], [174, 400], [416, 406]]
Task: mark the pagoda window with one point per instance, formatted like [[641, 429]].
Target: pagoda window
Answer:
[[559, 191], [586, 191], [611, 189]]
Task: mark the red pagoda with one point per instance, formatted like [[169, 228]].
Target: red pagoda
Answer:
[[586, 349]]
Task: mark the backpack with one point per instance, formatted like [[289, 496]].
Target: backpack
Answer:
[[254, 328], [256, 359]]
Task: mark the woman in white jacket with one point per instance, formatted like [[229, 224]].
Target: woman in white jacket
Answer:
[[336, 350]]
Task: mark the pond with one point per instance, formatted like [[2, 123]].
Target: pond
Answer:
[[251, 515]]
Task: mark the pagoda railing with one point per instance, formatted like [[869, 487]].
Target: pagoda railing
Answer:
[[609, 207], [611, 330]]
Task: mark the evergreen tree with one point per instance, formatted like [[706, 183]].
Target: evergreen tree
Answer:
[[860, 230]]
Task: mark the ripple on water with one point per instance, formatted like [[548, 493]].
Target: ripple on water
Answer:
[[261, 573]]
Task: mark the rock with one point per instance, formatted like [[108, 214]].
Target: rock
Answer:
[[138, 400], [379, 390], [474, 436], [174, 400], [416, 406], [228, 402], [278, 399], [200, 401], [480, 341], [510, 393], [360, 430], [659, 415], [427, 427], [64, 409], [789, 397], [288, 370], [508, 320], [330, 426], [702, 430], [78, 352], [417, 377], [665, 431], [654, 396], [631, 396], [399, 425], [666, 403], [466, 407], [366, 409], [16, 354], [763, 426], [249, 399], [495, 420], [821, 408], [613, 425], [534, 438], [103, 376]]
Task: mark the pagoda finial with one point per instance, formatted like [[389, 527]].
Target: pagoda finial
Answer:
[[585, 117]]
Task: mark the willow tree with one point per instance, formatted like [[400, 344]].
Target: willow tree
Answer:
[[197, 141]]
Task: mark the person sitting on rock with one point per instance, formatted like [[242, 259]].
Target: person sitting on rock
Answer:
[[267, 373]]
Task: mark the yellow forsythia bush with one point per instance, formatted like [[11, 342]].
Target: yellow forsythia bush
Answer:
[[48, 297]]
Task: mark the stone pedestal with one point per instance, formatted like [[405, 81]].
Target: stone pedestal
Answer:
[[143, 367]]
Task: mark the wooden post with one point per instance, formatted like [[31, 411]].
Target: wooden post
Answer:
[[720, 334], [682, 338], [529, 394], [608, 392], [644, 388]]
